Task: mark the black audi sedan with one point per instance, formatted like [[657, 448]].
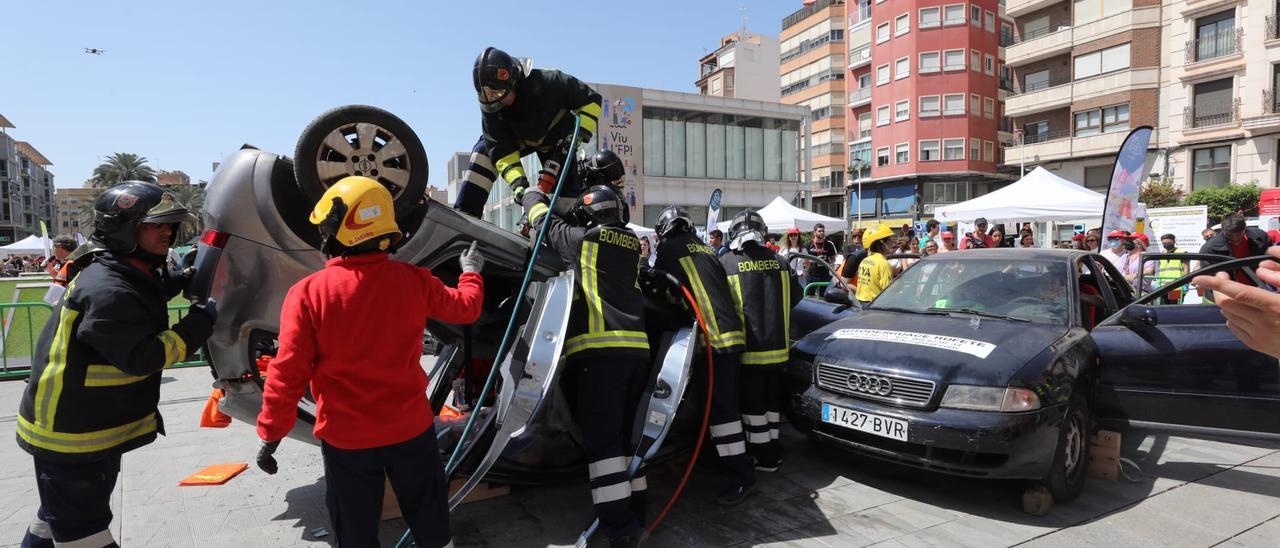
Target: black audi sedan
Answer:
[[999, 363]]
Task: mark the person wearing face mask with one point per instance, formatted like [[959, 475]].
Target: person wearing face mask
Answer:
[[1131, 263], [1115, 247], [1170, 269], [1237, 240]]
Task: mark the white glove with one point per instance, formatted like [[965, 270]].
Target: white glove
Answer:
[[471, 260]]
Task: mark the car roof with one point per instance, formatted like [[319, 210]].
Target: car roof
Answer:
[[1012, 253]]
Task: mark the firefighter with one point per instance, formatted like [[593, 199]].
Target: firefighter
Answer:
[[764, 291], [353, 332], [95, 376], [524, 114], [694, 263], [606, 345]]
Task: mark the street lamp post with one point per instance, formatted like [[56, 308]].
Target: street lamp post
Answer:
[[1022, 153]]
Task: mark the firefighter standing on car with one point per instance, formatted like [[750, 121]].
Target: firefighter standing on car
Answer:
[[95, 375], [607, 344], [353, 332], [684, 255], [874, 272], [524, 114], [764, 291]]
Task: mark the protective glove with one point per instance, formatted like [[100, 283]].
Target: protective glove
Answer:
[[266, 462], [471, 260], [209, 308], [518, 189]]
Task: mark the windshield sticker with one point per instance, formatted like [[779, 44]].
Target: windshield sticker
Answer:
[[955, 344]]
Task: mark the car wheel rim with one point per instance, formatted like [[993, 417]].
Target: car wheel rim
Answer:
[[1074, 446], [367, 150]]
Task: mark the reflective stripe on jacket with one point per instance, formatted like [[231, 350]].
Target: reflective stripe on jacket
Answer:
[[764, 292], [541, 118], [695, 264]]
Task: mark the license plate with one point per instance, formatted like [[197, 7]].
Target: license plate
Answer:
[[865, 422]]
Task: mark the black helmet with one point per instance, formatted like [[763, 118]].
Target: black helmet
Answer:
[[600, 205], [673, 219], [747, 226], [121, 208], [495, 75], [604, 168]]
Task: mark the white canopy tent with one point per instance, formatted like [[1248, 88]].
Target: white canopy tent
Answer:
[[780, 215], [1040, 196], [641, 231], [31, 245]]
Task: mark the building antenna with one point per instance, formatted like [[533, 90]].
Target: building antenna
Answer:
[[743, 8]]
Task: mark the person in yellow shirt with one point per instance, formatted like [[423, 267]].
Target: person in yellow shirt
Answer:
[[874, 272]]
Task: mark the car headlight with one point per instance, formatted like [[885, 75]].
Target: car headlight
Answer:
[[990, 398]]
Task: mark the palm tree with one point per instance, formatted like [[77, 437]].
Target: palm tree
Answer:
[[120, 167], [191, 196]]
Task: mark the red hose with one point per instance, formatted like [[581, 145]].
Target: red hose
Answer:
[[706, 415]]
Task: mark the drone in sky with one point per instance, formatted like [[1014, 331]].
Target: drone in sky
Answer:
[[94, 51]]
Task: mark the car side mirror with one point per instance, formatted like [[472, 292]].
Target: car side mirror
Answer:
[[837, 296], [1138, 316]]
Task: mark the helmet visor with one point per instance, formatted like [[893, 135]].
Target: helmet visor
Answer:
[[169, 210], [489, 95]]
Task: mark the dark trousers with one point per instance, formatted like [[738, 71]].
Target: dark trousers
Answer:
[[608, 393], [726, 418], [762, 411], [75, 502], [356, 479], [478, 180]]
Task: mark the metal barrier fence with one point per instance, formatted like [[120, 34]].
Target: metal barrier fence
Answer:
[[21, 323]]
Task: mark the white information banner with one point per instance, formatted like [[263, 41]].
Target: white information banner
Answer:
[[955, 344], [1186, 223]]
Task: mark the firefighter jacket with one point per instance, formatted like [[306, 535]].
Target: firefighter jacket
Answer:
[[765, 292], [607, 315], [540, 120], [695, 264], [95, 374]]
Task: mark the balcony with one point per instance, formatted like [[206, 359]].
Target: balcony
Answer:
[[1272, 29], [859, 15], [1141, 17], [1215, 45], [860, 57], [1269, 119], [1111, 82], [1040, 147], [1054, 92], [859, 97], [1039, 45], [1018, 8], [1211, 115]]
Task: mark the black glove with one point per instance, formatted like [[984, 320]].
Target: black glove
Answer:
[[518, 188], [266, 462], [209, 308]]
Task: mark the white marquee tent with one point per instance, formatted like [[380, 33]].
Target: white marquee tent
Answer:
[[780, 215], [1040, 196], [31, 245]]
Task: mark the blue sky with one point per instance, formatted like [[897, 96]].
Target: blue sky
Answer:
[[186, 83]]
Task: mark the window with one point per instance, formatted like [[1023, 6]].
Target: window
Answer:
[[989, 20], [902, 110], [953, 149], [882, 156], [953, 14], [715, 86], [882, 75], [975, 104], [1033, 81], [902, 153], [953, 59], [882, 33], [975, 147], [930, 61], [1097, 178], [1212, 167], [988, 151], [975, 60], [946, 193], [902, 68], [1101, 62], [975, 15], [953, 103], [1035, 132], [1216, 35], [930, 17], [929, 106], [864, 127], [897, 200], [1212, 103], [1104, 120], [989, 107], [929, 151], [989, 64], [1092, 10], [882, 115], [902, 24]]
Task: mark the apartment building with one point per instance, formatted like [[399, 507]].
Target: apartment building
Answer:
[[26, 188], [814, 64], [69, 203], [925, 104], [1083, 73], [744, 66], [172, 178]]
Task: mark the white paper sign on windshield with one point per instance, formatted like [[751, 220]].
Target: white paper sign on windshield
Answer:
[[955, 344]]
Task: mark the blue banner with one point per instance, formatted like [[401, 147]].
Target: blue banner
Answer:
[[1127, 174], [713, 210]]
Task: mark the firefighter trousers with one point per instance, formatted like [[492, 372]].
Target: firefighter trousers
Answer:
[[609, 391], [356, 480], [762, 412], [726, 417], [477, 181], [75, 503]]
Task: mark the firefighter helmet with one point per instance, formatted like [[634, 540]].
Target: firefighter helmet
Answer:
[[495, 75], [673, 219], [120, 209], [600, 205], [604, 168], [747, 226], [354, 211]]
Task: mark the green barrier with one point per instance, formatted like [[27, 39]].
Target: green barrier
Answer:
[[818, 285], [22, 323]]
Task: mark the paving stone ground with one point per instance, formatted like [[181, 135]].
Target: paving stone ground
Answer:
[[1193, 492]]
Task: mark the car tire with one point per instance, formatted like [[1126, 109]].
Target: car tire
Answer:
[[1071, 457], [334, 146]]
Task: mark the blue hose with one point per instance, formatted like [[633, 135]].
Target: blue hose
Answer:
[[452, 465]]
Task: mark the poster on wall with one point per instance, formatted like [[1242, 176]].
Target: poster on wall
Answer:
[[1185, 223], [1121, 211], [621, 130]]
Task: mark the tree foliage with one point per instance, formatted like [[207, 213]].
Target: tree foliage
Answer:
[[1228, 199], [120, 167], [1160, 192]]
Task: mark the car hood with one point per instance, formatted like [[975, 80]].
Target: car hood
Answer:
[[950, 349]]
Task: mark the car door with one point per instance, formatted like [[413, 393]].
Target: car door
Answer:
[[1178, 367]]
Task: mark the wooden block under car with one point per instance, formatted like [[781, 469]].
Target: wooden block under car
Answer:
[[486, 490], [1105, 444], [1104, 468], [1037, 500]]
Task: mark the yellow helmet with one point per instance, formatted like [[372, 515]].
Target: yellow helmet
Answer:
[[881, 232], [357, 210]]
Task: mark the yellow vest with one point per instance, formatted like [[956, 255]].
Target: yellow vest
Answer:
[[874, 274]]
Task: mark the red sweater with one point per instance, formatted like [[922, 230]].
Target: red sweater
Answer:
[[354, 331]]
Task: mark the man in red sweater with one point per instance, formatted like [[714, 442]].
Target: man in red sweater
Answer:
[[353, 331]]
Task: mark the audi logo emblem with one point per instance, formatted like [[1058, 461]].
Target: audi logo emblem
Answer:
[[870, 384]]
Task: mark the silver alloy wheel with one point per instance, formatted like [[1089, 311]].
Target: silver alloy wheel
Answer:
[[1074, 446], [364, 149]]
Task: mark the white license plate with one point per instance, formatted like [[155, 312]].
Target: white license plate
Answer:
[[865, 422]]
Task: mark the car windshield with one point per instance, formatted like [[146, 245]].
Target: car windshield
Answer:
[[1023, 290]]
